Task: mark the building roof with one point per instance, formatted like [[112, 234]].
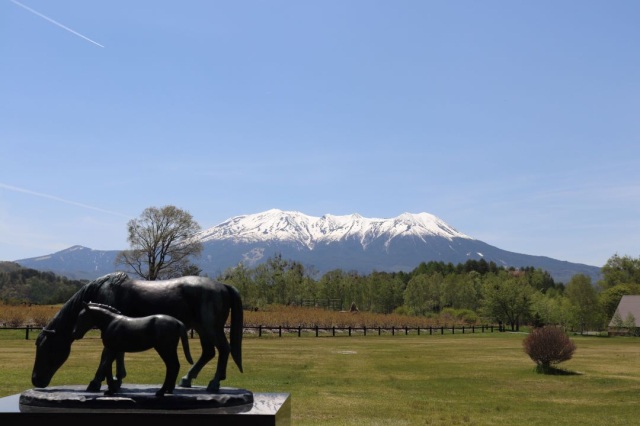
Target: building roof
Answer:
[[628, 305]]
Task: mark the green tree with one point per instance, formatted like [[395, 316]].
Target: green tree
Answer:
[[161, 243], [337, 284], [464, 291], [241, 278], [620, 270], [552, 307], [385, 291], [584, 302], [424, 293], [540, 280], [507, 298], [416, 298]]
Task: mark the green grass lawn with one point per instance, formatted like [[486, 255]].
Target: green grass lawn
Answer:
[[472, 379]]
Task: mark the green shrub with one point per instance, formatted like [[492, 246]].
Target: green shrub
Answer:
[[548, 346]]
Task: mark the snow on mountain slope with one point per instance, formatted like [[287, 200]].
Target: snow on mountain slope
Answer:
[[309, 231], [349, 243]]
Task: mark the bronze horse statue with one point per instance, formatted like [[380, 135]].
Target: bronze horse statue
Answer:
[[199, 303], [125, 334]]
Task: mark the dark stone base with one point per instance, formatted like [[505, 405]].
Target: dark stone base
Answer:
[[134, 397], [137, 404]]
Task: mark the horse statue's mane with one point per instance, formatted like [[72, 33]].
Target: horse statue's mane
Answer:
[[105, 307], [69, 311]]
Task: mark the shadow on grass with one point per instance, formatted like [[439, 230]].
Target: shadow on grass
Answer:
[[554, 371]]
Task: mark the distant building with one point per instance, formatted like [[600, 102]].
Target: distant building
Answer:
[[626, 318]]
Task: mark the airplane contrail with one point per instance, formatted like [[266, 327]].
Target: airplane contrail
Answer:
[[52, 197], [56, 23]]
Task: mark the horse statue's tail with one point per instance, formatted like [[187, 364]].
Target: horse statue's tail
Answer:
[[185, 344], [237, 324]]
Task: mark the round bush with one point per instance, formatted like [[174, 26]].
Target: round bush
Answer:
[[547, 346]]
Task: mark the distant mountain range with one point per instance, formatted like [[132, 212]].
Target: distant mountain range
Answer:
[[350, 243]]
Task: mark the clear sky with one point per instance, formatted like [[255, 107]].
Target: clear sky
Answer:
[[516, 122]]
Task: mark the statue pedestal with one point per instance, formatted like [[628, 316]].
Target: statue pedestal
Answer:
[[137, 404]]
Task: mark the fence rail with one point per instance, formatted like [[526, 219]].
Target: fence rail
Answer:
[[364, 331], [329, 331]]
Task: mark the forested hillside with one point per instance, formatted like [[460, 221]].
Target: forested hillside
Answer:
[[24, 285]]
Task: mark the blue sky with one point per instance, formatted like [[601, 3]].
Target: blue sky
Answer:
[[517, 123]]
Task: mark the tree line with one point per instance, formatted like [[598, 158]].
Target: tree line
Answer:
[[511, 296], [472, 290]]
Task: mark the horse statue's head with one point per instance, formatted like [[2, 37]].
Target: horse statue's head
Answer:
[[86, 321], [52, 350]]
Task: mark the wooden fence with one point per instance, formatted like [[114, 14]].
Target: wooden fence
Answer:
[[328, 331], [364, 331]]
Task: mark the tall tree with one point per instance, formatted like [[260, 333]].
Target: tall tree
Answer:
[[161, 243], [584, 302]]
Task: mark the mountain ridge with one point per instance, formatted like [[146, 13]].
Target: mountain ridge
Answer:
[[349, 242], [280, 225]]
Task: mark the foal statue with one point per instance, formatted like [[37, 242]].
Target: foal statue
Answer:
[[126, 334]]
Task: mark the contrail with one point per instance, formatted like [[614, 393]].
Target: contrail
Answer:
[[57, 23], [51, 197]]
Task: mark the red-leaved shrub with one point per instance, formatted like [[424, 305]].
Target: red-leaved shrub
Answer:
[[547, 346]]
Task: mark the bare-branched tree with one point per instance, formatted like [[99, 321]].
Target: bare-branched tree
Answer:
[[161, 244]]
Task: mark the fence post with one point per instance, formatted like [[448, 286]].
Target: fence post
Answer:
[[418, 331], [279, 331], [333, 330], [27, 336], [299, 329], [316, 331], [442, 329], [364, 329], [349, 331], [260, 331], [379, 331], [430, 330], [463, 329], [406, 330]]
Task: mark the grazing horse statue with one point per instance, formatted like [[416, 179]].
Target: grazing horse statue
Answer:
[[200, 303], [126, 334]]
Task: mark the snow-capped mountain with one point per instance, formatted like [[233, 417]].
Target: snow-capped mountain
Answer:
[[309, 231], [350, 243]]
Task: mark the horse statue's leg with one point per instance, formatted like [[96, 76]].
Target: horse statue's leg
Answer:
[[113, 385], [96, 383], [104, 371], [170, 358], [208, 352], [121, 371], [224, 349]]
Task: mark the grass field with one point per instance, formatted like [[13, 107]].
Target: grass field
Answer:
[[479, 379]]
